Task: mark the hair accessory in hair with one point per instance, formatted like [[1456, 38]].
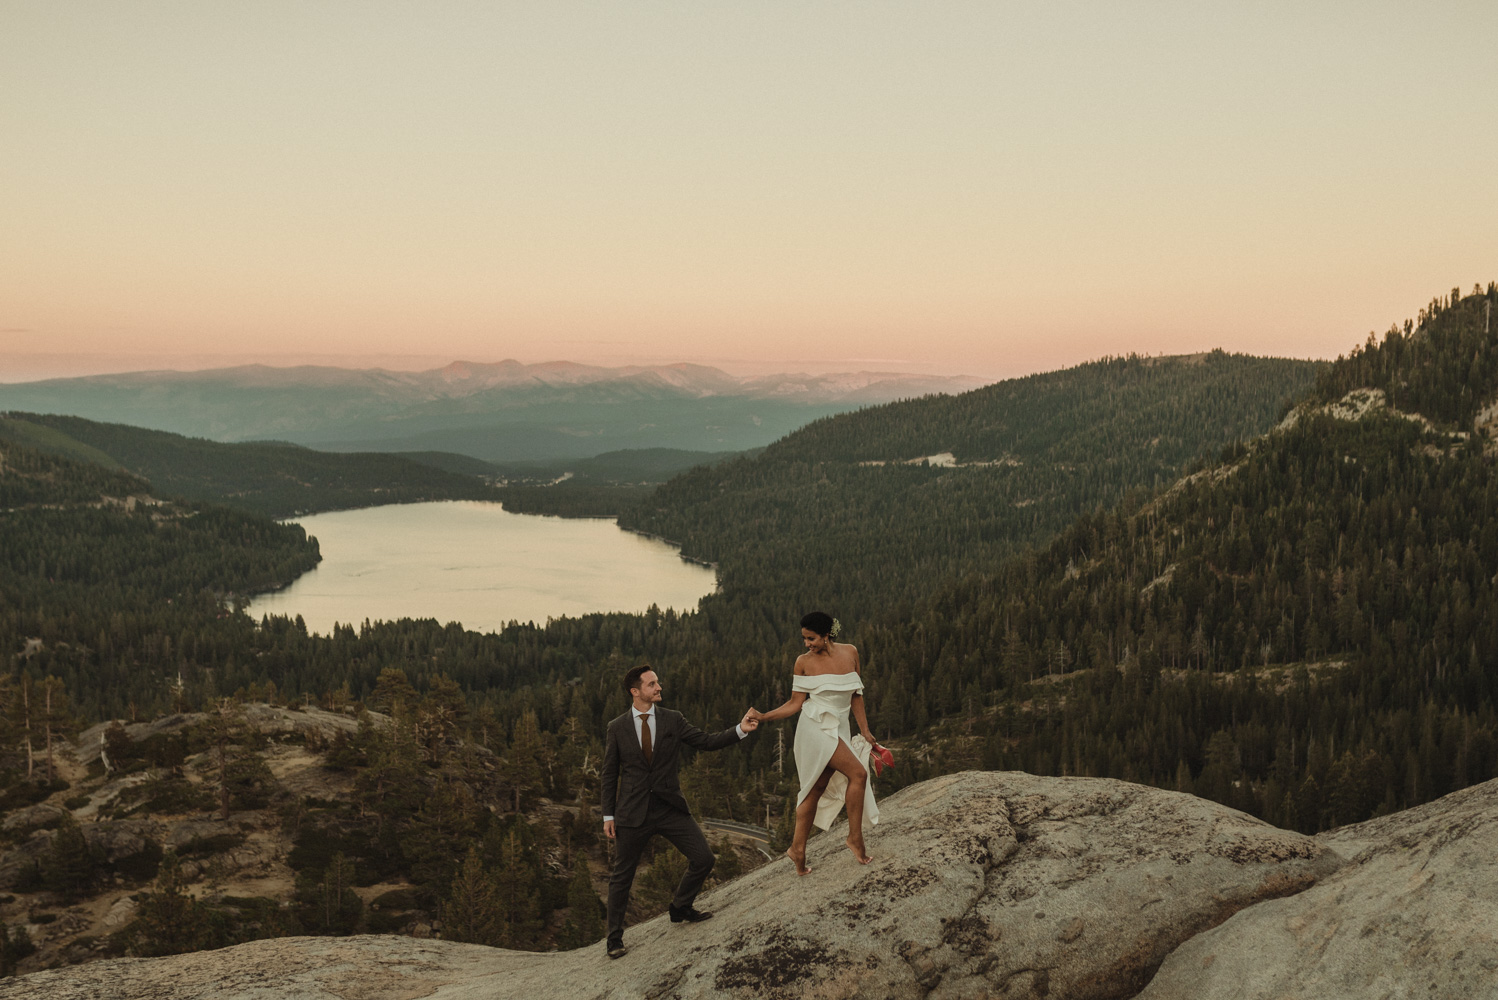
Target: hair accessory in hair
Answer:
[[837, 629]]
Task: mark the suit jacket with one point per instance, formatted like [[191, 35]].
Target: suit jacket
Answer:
[[628, 781]]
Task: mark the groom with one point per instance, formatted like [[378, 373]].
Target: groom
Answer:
[[642, 797]]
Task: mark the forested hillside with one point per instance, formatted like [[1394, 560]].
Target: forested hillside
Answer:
[[835, 509], [1442, 365], [1305, 626], [112, 591], [1306, 629], [600, 486], [278, 480]]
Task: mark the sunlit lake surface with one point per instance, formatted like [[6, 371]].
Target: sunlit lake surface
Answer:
[[480, 565]]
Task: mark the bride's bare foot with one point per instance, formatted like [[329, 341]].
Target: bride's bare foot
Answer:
[[858, 851], [799, 862]]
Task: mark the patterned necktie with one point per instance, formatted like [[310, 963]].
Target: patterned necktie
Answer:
[[645, 739]]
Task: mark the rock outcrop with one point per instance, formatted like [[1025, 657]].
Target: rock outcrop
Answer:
[[271, 720], [110, 842], [1413, 914], [982, 885]]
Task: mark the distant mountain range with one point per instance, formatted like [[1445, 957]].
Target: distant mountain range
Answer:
[[496, 412]]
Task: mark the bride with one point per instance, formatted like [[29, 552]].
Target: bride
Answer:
[[826, 689]]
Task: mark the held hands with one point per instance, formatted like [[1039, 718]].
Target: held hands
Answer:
[[750, 721]]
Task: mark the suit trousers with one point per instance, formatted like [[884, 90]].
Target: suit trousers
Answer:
[[685, 835]]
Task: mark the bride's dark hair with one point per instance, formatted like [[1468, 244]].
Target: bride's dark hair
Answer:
[[819, 622]]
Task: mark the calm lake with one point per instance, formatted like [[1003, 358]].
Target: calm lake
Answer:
[[480, 565]]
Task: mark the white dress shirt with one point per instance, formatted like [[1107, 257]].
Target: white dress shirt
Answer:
[[655, 734]]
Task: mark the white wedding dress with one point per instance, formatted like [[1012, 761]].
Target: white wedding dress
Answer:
[[824, 721]]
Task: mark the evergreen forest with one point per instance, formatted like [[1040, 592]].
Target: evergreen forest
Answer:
[[1253, 580]]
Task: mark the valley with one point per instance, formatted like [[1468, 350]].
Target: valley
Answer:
[[1209, 575]]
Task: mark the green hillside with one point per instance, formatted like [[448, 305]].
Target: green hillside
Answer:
[[1306, 629], [836, 514], [278, 480]]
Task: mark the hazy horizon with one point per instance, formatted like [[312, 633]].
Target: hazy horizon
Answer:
[[991, 190], [15, 369], [50, 368]]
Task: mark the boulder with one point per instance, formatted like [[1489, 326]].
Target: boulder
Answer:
[[190, 833], [33, 817], [18, 861], [120, 913], [982, 885], [106, 794], [1413, 913], [111, 841], [116, 839]]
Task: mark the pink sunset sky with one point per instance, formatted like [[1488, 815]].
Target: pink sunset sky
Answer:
[[990, 189]]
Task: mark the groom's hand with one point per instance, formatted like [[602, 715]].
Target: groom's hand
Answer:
[[608, 828], [750, 721]]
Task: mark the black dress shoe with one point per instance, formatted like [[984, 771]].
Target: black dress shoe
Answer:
[[617, 949], [688, 913]]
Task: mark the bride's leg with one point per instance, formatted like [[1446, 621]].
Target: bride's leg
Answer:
[[844, 761], [805, 813]]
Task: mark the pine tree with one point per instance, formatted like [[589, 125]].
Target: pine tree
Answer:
[[729, 866], [167, 920], [471, 912], [118, 749], [585, 924], [524, 761], [656, 887], [785, 826], [432, 840], [15, 945], [393, 692], [23, 719], [332, 905], [70, 866], [392, 786], [439, 718], [517, 891], [244, 779]]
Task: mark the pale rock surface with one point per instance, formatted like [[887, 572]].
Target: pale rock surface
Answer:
[[1000, 885], [1413, 914], [271, 720]]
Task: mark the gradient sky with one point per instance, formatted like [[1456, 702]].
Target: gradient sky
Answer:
[[988, 188]]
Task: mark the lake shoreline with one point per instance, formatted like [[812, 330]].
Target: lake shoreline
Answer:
[[475, 563]]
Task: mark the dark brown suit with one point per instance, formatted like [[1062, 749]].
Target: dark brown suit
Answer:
[[645, 799]]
